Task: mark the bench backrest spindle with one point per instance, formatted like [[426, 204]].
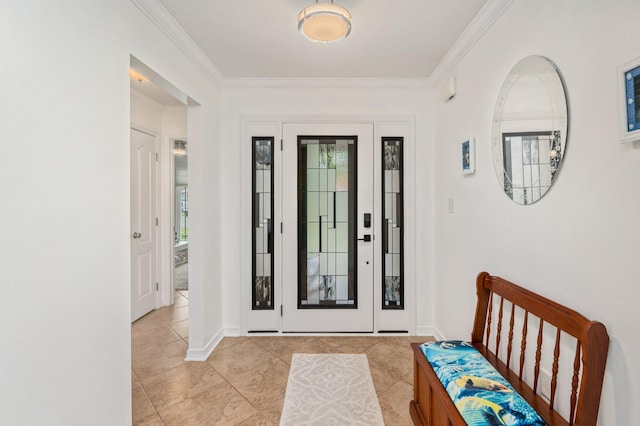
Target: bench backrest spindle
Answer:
[[536, 370], [489, 318], [523, 345], [499, 330], [510, 343], [554, 369], [574, 382]]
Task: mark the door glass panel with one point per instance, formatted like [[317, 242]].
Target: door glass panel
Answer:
[[327, 208], [392, 226], [262, 292]]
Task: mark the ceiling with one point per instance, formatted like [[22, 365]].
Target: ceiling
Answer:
[[389, 38]]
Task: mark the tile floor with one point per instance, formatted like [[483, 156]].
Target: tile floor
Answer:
[[244, 380]]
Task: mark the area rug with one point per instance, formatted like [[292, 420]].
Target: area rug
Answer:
[[330, 389]]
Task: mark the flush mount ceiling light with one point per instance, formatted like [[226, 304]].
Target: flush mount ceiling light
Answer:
[[180, 147], [324, 22], [135, 75]]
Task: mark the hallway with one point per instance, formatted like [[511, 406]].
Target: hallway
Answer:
[[245, 378]]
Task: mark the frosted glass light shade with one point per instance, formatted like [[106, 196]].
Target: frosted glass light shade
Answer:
[[324, 22]]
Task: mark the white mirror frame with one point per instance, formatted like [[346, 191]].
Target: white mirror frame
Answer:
[[630, 131]]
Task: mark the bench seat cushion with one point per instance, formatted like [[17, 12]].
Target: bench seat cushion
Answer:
[[479, 392]]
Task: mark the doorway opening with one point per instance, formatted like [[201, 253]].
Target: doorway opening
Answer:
[[181, 216], [328, 213], [159, 110]]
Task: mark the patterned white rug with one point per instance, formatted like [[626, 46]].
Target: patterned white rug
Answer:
[[330, 389]]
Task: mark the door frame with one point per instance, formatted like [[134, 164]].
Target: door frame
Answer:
[[270, 322]]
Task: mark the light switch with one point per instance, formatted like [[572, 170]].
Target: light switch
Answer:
[[451, 208]]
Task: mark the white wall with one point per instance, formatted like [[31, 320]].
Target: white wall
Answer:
[[64, 301], [577, 245], [64, 133], [323, 100]]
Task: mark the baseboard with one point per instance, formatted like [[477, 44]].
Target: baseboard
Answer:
[[232, 331], [203, 354], [429, 331]]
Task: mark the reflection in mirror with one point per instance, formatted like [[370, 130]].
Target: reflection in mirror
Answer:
[[181, 215], [530, 130]]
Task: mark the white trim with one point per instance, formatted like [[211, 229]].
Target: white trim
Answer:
[[425, 330], [486, 17], [160, 16], [260, 319], [248, 124], [204, 353], [232, 331], [326, 83], [326, 118], [625, 134]]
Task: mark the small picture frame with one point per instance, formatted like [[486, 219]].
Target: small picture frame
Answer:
[[629, 76], [468, 156]]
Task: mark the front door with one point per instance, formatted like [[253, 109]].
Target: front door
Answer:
[[328, 241], [143, 224]]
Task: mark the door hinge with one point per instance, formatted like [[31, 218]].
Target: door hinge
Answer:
[[280, 144], [281, 227], [156, 221], [280, 310], [157, 287], [156, 156]]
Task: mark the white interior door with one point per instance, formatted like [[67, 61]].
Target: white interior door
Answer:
[[143, 224], [328, 206]]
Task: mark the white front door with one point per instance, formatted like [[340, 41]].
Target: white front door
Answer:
[[143, 224], [328, 223]]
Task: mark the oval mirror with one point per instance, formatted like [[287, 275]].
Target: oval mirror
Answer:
[[530, 125]]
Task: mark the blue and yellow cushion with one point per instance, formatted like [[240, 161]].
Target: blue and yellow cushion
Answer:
[[480, 393]]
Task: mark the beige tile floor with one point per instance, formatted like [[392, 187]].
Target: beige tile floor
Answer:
[[244, 380]]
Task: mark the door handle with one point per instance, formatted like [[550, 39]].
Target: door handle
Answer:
[[365, 238], [136, 235]]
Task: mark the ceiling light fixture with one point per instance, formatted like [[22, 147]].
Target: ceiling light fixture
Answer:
[[135, 75], [180, 147], [324, 22]]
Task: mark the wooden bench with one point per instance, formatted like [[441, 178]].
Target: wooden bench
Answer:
[[520, 359]]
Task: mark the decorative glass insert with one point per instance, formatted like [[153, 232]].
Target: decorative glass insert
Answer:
[[392, 224], [531, 162], [262, 292], [327, 189]]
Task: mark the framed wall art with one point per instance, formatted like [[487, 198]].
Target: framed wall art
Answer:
[[469, 156], [629, 75]]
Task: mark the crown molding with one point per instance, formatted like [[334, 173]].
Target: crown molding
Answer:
[[486, 17], [325, 83], [160, 16]]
